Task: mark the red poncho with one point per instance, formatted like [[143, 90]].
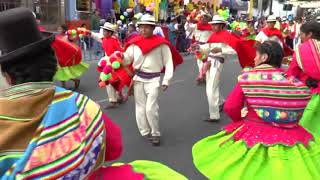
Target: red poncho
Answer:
[[110, 45], [244, 48], [276, 32], [204, 27], [148, 44], [68, 54]]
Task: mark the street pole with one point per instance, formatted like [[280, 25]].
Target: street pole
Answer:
[[270, 8], [251, 9], [214, 7], [260, 7]]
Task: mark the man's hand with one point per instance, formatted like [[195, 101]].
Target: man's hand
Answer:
[[195, 47], [164, 87], [216, 50]]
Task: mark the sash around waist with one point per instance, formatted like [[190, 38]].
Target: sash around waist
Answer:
[[147, 75], [220, 59]]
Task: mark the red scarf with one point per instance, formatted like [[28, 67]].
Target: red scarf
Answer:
[[244, 48], [110, 45], [148, 44], [68, 54], [131, 36], [276, 32], [204, 27], [273, 32]]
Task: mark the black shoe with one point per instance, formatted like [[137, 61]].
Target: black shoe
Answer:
[[155, 140], [112, 105], [212, 120], [148, 136], [221, 107]]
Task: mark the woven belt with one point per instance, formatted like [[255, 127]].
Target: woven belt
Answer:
[[220, 59], [147, 75]]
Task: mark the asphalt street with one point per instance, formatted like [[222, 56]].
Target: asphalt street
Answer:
[[182, 110]]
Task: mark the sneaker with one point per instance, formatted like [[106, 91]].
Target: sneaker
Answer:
[[212, 120], [155, 140]]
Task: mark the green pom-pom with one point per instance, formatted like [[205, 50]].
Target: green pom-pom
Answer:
[[105, 77], [109, 76], [74, 32], [122, 17], [116, 65], [203, 57]]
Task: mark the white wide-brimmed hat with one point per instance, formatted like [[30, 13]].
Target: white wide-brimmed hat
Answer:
[[284, 19], [147, 19], [271, 18], [108, 26], [217, 20]]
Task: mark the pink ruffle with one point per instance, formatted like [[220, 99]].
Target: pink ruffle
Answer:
[[114, 145], [253, 133], [116, 173]]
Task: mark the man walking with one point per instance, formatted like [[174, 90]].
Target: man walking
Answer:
[[149, 55]]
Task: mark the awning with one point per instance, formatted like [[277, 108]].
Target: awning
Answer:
[[305, 4]]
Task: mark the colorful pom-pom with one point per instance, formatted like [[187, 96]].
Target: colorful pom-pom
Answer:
[[102, 84], [112, 59], [118, 54], [116, 65], [103, 77], [103, 63], [107, 69]]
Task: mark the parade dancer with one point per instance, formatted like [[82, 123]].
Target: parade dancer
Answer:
[[270, 33], [48, 132], [201, 31], [268, 141], [149, 54], [110, 44], [305, 66], [220, 44], [70, 63]]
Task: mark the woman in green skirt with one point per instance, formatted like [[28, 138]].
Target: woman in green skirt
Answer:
[[267, 142], [305, 66]]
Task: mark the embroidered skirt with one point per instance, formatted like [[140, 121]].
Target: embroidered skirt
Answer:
[[311, 115], [67, 73], [221, 157]]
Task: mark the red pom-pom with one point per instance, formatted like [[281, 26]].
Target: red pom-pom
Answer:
[[118, 54], [102, 84], [99, 68], [69, 32], [112, 59], [107, 69], [103, 63]]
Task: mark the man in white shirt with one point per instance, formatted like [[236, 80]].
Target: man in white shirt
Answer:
[[270, 32], [201, 31], [148, 58], [217, 53]]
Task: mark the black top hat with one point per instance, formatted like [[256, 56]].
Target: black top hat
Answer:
[[19, 35]]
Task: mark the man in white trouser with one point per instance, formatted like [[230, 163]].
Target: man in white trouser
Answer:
[[216, 52], [149, 57], [201, 31], [110, 44]]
